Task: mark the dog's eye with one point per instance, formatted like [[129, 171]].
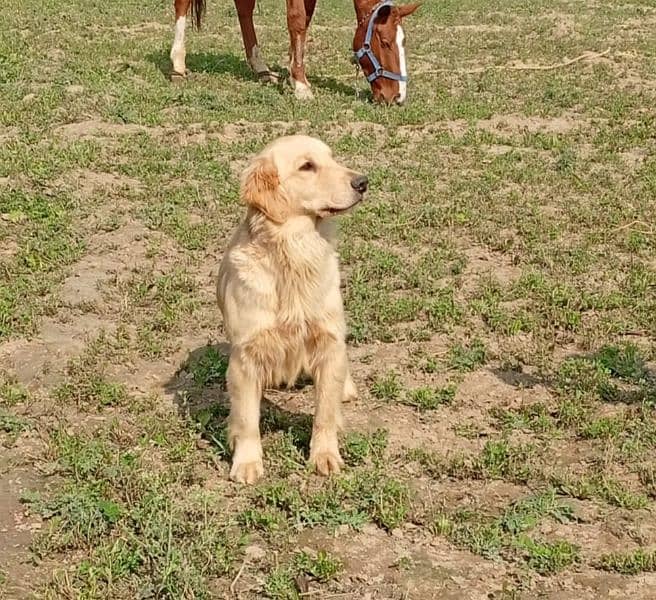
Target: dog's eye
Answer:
[[308, 166]]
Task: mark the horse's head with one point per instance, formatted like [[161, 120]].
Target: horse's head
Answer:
[[379, 47]]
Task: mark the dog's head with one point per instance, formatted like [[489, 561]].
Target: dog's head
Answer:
[[297, 175]]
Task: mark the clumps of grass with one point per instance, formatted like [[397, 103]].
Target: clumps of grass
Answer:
[[86, 384], [322, 567], [497, 460], [629, 563], [601, 487], [442, 309], [159, 303], [616, 373], [547, 558], [210, 368], [12, 426], [285, 582], [92, 389], [386, 387], [604, 428], [360, 448], [624, 362], [428, 398], [134, 527], [354, 499], [534, 417], [506, 535], [41, 224], [12, 392], [280, 585], [467, 357]]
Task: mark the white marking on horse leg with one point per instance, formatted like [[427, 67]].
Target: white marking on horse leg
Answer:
[[403, 86], [302, 89], [178, 49]]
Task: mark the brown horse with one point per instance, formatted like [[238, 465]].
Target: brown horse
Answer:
[[378, 43]]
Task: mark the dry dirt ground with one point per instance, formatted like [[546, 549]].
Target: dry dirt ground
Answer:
[[500, 285]]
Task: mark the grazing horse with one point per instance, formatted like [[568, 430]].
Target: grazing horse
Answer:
[[378, 44]]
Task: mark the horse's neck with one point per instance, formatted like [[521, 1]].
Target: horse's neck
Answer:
[[363, 8]]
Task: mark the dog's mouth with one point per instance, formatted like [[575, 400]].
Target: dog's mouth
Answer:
[[331, 211]]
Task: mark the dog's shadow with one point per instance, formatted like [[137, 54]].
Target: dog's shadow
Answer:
[[200, 395]]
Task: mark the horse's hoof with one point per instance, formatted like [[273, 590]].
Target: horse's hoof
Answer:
[[179, 77], [268, 76], [302, 91]]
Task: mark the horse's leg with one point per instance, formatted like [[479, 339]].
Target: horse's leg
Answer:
[[309, 12], [178, 48], [297, 23], [245, 10]]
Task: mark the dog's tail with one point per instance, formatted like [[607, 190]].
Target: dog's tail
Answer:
[[198, 8]]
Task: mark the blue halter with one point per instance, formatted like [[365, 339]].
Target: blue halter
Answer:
[[368, 52]]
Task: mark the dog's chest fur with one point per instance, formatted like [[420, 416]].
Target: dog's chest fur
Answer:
[[307, 276]]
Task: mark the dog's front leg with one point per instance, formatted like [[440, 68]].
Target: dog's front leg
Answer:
[[245, 390], [329, 370]]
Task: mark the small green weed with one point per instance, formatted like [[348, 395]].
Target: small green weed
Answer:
[[467, 357], [427, 398], [547, 558], [386, 387]]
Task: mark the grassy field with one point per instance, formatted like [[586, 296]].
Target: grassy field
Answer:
[[500, 283]]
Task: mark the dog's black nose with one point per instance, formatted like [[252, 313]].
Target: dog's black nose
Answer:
[[360, 183]]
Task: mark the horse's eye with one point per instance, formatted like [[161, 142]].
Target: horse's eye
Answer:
[[308, 166]]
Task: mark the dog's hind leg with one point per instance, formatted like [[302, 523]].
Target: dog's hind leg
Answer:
[[245, 391], [328, 366], [350, 391]]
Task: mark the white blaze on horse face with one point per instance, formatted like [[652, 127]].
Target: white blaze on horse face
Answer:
[[178, 49], [403, 85]]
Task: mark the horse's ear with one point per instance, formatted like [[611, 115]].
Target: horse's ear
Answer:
[[260, 188], [405, 10], [384, 14]]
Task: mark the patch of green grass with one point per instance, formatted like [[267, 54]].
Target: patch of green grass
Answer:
[[625, 361], [629, 563], [322, 567], [133, 525], [467, 357], [92, 389], [499, 459], [353, 499], [505, 535], [603, 428], [210, 368], [547, 558], [359, 448], [533, 417], [386, 387], [280, 585], [426, 398], [11, 392], [599, 486], [47, 242]]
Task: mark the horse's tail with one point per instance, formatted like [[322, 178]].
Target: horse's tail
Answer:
[[197, 11]]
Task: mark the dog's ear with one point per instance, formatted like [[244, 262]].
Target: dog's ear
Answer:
[[260, 188]]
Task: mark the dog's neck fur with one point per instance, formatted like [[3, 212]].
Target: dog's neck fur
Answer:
[[300, 247]]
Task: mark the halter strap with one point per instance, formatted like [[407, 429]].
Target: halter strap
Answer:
[[366, 50]]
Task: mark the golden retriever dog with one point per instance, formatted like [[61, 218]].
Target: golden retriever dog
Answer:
[[278, 289]]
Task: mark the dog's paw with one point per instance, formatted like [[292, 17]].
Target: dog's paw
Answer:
[[246, 472], [327, 463]]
